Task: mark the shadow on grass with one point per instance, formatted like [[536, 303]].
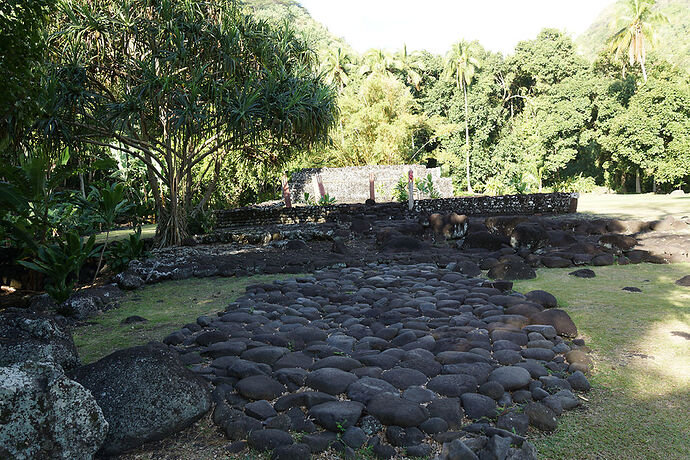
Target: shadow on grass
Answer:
[[167, 306]]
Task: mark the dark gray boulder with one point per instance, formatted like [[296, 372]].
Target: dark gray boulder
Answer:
[[393, 410], [43, 414], [37, 337], [337, 416], [146, 394]]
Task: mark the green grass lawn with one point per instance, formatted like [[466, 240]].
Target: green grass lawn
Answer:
[[147, 231], [167, 306], [639, 407], [643, 207]]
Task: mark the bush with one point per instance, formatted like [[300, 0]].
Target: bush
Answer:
[[576, 184], [121, 253], [61, 263], [400, 193]]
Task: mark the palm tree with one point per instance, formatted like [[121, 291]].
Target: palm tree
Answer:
[[633, 27], [377, 61], [337, 67], [410, 66], [460, 68]]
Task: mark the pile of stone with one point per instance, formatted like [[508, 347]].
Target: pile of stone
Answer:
[[51, 407], [400, 360]]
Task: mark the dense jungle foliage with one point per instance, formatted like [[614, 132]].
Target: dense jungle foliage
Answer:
[[131, 111]]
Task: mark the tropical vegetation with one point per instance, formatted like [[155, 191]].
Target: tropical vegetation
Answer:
[[127, 112]]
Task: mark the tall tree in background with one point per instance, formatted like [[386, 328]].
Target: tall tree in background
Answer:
[[410, 66], [181, 85], [461, 65], [21, 53], [336, 66], [634, 27]]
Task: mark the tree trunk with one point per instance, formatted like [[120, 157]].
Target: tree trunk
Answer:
[[467, 141], [653, 184], [644, 71], [172, 217], [638, 185]]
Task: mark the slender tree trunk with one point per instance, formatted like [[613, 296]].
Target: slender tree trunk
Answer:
[[100, 258], [653, 184], [638, 185], [644, 71], [81, 185], [467, 141]]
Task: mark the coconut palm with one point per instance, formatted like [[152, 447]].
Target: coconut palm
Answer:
[[633, 27], [410, 66], [460, 67], [377, 61], [336, 67]]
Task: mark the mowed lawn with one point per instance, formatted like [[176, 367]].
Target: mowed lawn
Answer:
[[645, 206], [639, 407]]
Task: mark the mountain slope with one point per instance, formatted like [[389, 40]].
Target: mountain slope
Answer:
[[673, 43], [278, 11]]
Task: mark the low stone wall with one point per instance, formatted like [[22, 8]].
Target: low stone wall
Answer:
[[551, 203], [351, 184]]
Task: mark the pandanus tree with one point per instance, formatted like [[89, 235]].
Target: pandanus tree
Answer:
[[181, 85], [460, 67], [633, 28]]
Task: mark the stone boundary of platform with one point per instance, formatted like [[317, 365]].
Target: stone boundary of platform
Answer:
[[541, 203]]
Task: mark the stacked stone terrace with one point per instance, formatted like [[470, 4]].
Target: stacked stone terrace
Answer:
[[351, 184]]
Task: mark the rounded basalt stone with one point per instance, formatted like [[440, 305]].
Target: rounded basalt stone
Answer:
[[583, 273], [419, 394], [579, 382], [507, 357], [492, 389], [514, 421], [265, 355], [404, 378], [207, 338], [510, 377], [145, 393], [260, 410], [557, 318], [343, 363], [330, 380], [453, 384], [543, 298], [404, 437], [269, 439], [478, 406], [367, 387], [293, 452], [393, 410], [259, 387], [430, 368], [434, 425], [448, 409], [354, 437], [540, 416], [540, 354], [337, 416]]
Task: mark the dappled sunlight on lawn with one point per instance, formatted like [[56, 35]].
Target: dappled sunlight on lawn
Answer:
[[641, 345], [664, 356]]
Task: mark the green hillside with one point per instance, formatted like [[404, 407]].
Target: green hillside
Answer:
[[673, 38], [277, 11]]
